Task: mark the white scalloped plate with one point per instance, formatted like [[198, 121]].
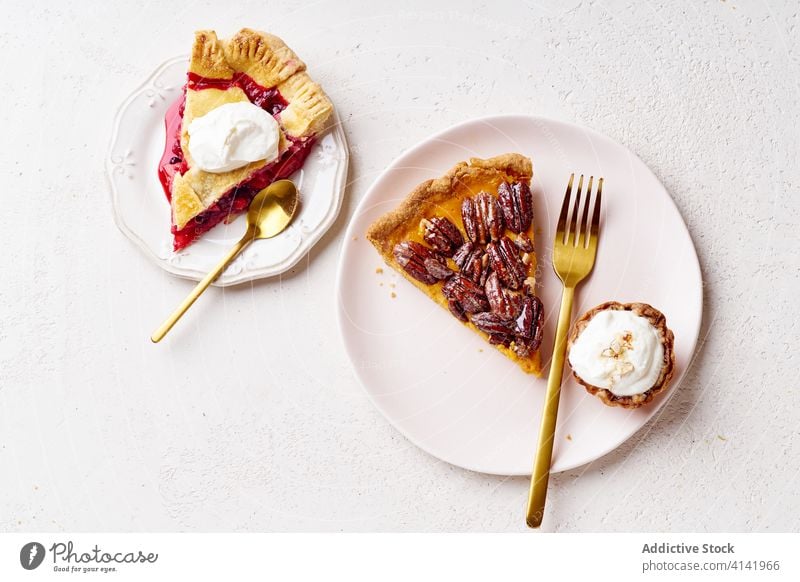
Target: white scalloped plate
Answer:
[[442, 385], [142, 212]]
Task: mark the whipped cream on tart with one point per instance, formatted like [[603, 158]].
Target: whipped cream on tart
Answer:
[[466, 240], [622, 353], [248, 116]]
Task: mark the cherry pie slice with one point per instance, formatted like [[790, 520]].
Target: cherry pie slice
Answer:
[[252, 67]]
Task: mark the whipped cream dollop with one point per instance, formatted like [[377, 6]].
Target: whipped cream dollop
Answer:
[[233, 135], [619, 351]]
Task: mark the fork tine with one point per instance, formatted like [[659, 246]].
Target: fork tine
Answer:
[[583, 238], [572, 238], [596, 214], [562, 220]]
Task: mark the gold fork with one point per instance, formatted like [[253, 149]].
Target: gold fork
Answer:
[[574, 250]]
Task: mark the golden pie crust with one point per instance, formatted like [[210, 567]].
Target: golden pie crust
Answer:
[[657, 319], [270, 63], [443, 197]]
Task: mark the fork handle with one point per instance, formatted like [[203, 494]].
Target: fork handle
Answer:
[[544, 454]]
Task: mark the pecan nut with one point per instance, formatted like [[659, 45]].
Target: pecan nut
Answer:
[[437, 268], [524, 243], [505, 261], [441, 234], [530, 322], [486, 270], [457, 311], [462, 253], [469, 295], [502, 339], [504, 302], [516, 203], [470, 260], [420, 262], [493, 324], [482, 217]]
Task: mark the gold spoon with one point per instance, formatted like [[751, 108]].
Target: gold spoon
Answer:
[[269, 214]]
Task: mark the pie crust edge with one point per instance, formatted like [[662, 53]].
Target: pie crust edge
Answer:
[[438, 190], [659, 321]]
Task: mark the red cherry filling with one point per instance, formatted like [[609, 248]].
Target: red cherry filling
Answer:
[[237, 199], [268, 99]]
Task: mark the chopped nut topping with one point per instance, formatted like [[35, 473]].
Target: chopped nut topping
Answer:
[[619, 345], [616, 351]]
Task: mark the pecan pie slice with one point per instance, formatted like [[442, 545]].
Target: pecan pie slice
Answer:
[[257, 114], [466, 241]]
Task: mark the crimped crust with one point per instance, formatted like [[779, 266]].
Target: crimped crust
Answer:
[[264, 57], [208, 56], [270, 63], [309, 108], [434, 192], [667, 339], [465, 178]]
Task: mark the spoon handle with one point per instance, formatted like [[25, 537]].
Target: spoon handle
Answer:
[[162, 330]]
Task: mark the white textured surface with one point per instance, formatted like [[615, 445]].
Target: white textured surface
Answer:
[[100, 430]]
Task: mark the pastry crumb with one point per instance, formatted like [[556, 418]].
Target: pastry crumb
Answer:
[[722, 438], [392, 285], [379, 271], [381, 283], [480, 350], [569, 437], [355, 238], [394, 294]]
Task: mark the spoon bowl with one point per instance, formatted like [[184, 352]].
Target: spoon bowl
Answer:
[[272, 209]]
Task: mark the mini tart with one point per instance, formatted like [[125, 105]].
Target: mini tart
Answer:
[[250, 66], [442, 198], [659, 322]]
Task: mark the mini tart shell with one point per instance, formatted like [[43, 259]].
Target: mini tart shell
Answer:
[[443, 196], [657, 319]]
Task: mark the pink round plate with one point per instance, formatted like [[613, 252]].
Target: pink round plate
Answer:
[[439, 383]]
